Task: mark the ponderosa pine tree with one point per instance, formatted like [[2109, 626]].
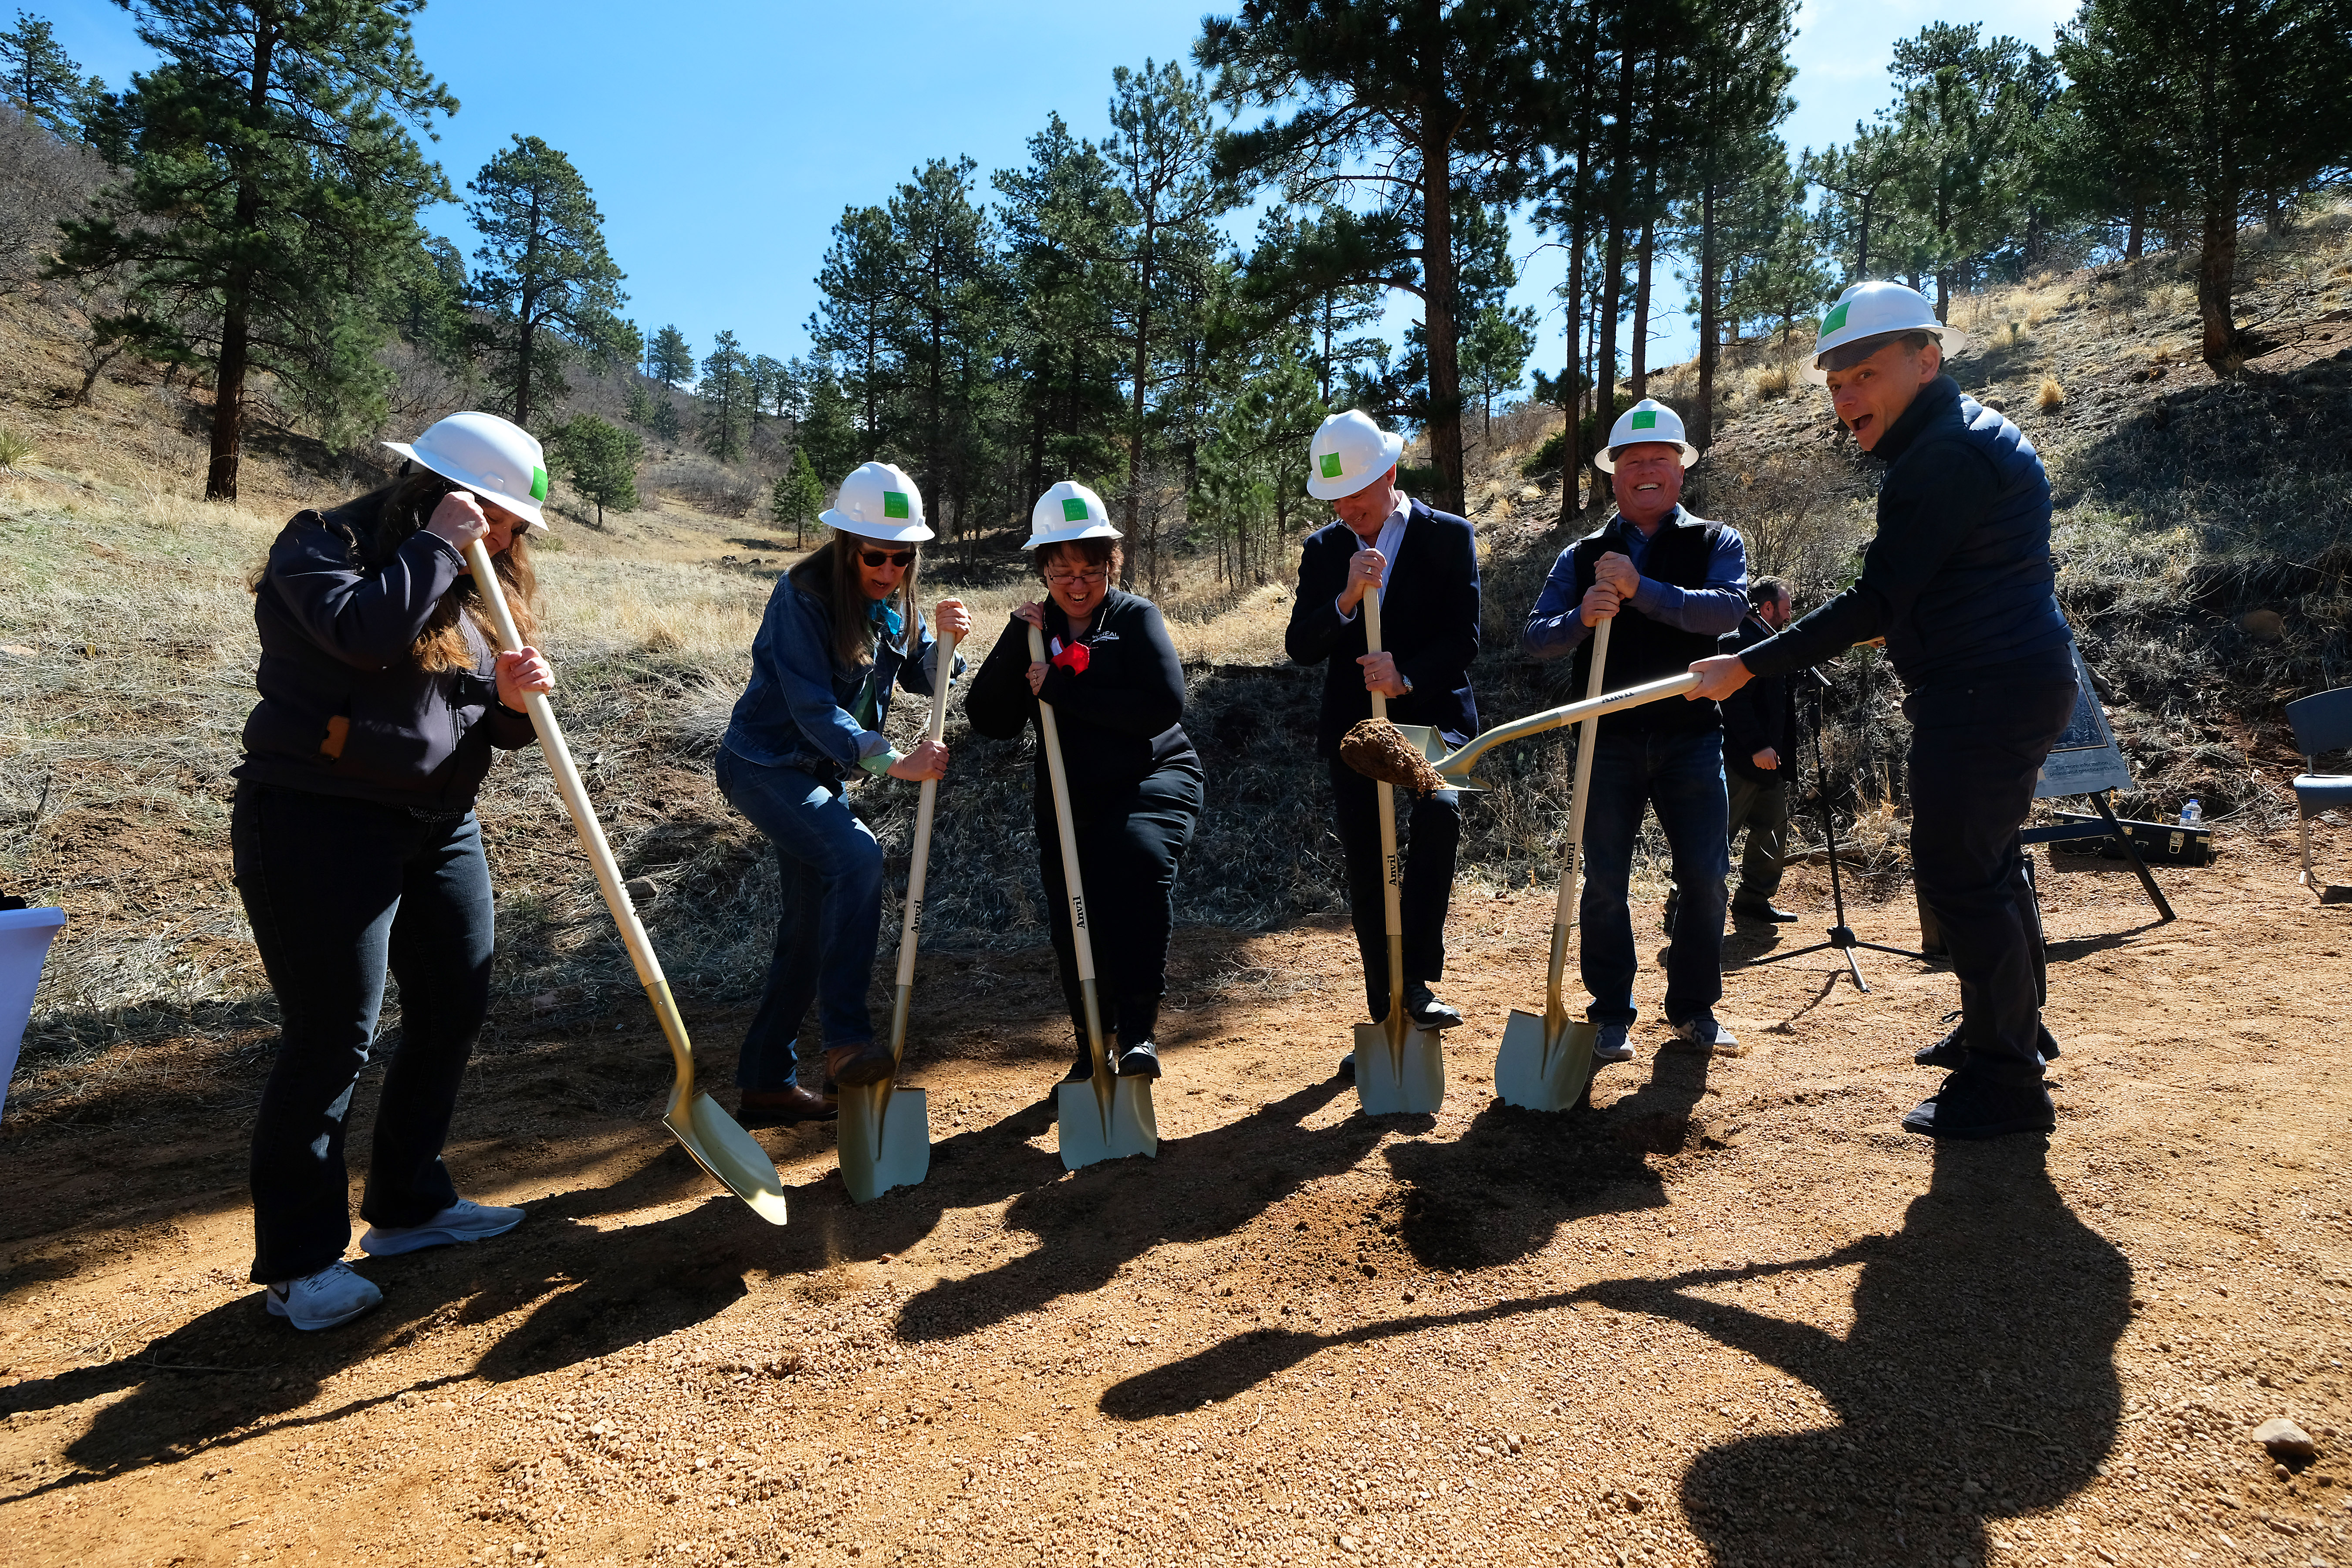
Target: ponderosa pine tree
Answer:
[[546, 278], [273, 189], [862, 315], [43, 81], [724, 392], [600, 458], [670, 358], [797, 496], [1422, 104]]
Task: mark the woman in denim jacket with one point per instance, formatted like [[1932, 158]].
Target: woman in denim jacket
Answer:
[[840, 632]]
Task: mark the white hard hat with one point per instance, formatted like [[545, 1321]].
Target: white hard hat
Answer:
[[1872, 311], [1069, 511], [497, 459], [1348, 452], [1648, 420], [877, 500]]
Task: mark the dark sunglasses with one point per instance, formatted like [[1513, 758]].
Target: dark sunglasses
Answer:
[[902, 559]]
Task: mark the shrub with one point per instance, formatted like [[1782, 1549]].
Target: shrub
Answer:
[[13, 449], [2051, 395], [1772, 381]]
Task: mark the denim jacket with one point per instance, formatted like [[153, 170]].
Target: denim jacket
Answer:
[[796, 713]]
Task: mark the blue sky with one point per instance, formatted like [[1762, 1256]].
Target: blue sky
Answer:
[[722, 137]]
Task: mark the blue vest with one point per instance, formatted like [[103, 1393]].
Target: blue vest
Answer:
[[1994, 601]]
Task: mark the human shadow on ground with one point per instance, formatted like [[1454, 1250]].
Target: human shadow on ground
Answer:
[[1978, 1381]]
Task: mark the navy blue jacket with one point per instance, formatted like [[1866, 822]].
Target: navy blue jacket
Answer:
[[1429, 620], [795, 713], [335, 641], [1959, 578]]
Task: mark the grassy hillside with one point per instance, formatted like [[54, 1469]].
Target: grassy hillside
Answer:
[[2202, 535]]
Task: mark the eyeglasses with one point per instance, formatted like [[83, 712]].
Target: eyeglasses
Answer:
[[1069, 579], [901, 559]]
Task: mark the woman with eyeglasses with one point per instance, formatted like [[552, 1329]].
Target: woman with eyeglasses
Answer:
[[841, 631], [1118, 691]]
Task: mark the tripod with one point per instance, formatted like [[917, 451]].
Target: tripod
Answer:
[[1840, 935]]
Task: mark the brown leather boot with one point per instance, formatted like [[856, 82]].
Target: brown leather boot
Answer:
[[785, 1107]]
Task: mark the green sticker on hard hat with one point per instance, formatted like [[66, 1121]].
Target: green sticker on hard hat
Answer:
[[1836, 320], [1647, 419], [894, 504], [539, 484], [1331, 465], [1072, 510]]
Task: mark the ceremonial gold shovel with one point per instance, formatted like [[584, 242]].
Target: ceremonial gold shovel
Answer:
[[1400, 1068], [886, 1131], [1545, 1061], [718, 1145], [1109, 1117]]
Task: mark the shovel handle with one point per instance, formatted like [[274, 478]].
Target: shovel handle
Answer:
[[1392, 871], [1555, 1004], [1080, 938], [919, 859], [591, 834]]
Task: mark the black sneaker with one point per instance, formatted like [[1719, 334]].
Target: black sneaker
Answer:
[[1763, 909], [1425, 1010], [1973, 1108], [1140, 1060], [1347, 1067]]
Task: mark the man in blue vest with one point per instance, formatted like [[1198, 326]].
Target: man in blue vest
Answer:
[[1423, 564], [1958, 580], [1673, 583]]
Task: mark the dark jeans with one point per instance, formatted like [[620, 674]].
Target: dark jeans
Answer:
[[1129, 847], [1976, 751], [1762, 807], [829, 870], [337, 890], [1681, 777], [1429, 831]]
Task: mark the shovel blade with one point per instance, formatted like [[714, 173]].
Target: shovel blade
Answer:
[[721, 1146], [1384, 1087], [886, 1139], [1089, 1136], [1538, 1073], [1425, 740]]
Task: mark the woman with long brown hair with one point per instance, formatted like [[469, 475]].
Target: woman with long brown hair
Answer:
[[356, 847], [841, 631]]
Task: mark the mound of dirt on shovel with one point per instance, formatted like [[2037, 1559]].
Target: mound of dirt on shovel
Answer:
[[1378, 750]]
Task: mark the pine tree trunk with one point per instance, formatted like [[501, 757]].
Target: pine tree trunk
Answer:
[[1437, 304], [2215, 268], [2134, 231], [1604, 353], [1571, 461], [1702, 421], [228, 394], [1638, 348], [1150, 552]]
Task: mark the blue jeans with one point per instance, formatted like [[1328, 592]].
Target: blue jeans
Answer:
[[1977, 751], [1681, 777], [830, 873], [338, 891]]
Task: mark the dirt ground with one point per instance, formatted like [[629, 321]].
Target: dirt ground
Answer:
[[1729, 1315]]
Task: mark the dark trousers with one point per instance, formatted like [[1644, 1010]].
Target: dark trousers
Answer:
[[338, 891], [1429, 832], [1681, 778], [1976, 751], [1762, 807], [829, 871], [1129, 847]]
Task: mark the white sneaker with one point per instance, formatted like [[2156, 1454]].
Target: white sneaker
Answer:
[[333, 1295], [464, 1220], [1614, 1044], [1703, 1033]]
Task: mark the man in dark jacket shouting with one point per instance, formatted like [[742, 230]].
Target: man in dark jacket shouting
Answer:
[[1423, 564], [1672, 582], [1958, 580]]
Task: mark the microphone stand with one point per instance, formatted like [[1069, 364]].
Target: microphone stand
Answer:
[[1840, 937]]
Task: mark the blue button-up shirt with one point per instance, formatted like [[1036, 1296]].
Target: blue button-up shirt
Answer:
[[1556, 627]]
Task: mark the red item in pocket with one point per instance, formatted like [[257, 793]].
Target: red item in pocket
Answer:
[[1072, 657]]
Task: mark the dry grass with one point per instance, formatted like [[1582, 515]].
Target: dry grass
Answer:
[[2050, 397]]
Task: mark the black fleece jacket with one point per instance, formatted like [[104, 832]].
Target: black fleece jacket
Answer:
[[1959, 578], [1117, 721], [335, 640], [1757, 715]]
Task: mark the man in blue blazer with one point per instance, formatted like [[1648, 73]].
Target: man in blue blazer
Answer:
[[1425, 565]]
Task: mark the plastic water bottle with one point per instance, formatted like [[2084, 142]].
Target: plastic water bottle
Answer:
[[2193, 814]]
